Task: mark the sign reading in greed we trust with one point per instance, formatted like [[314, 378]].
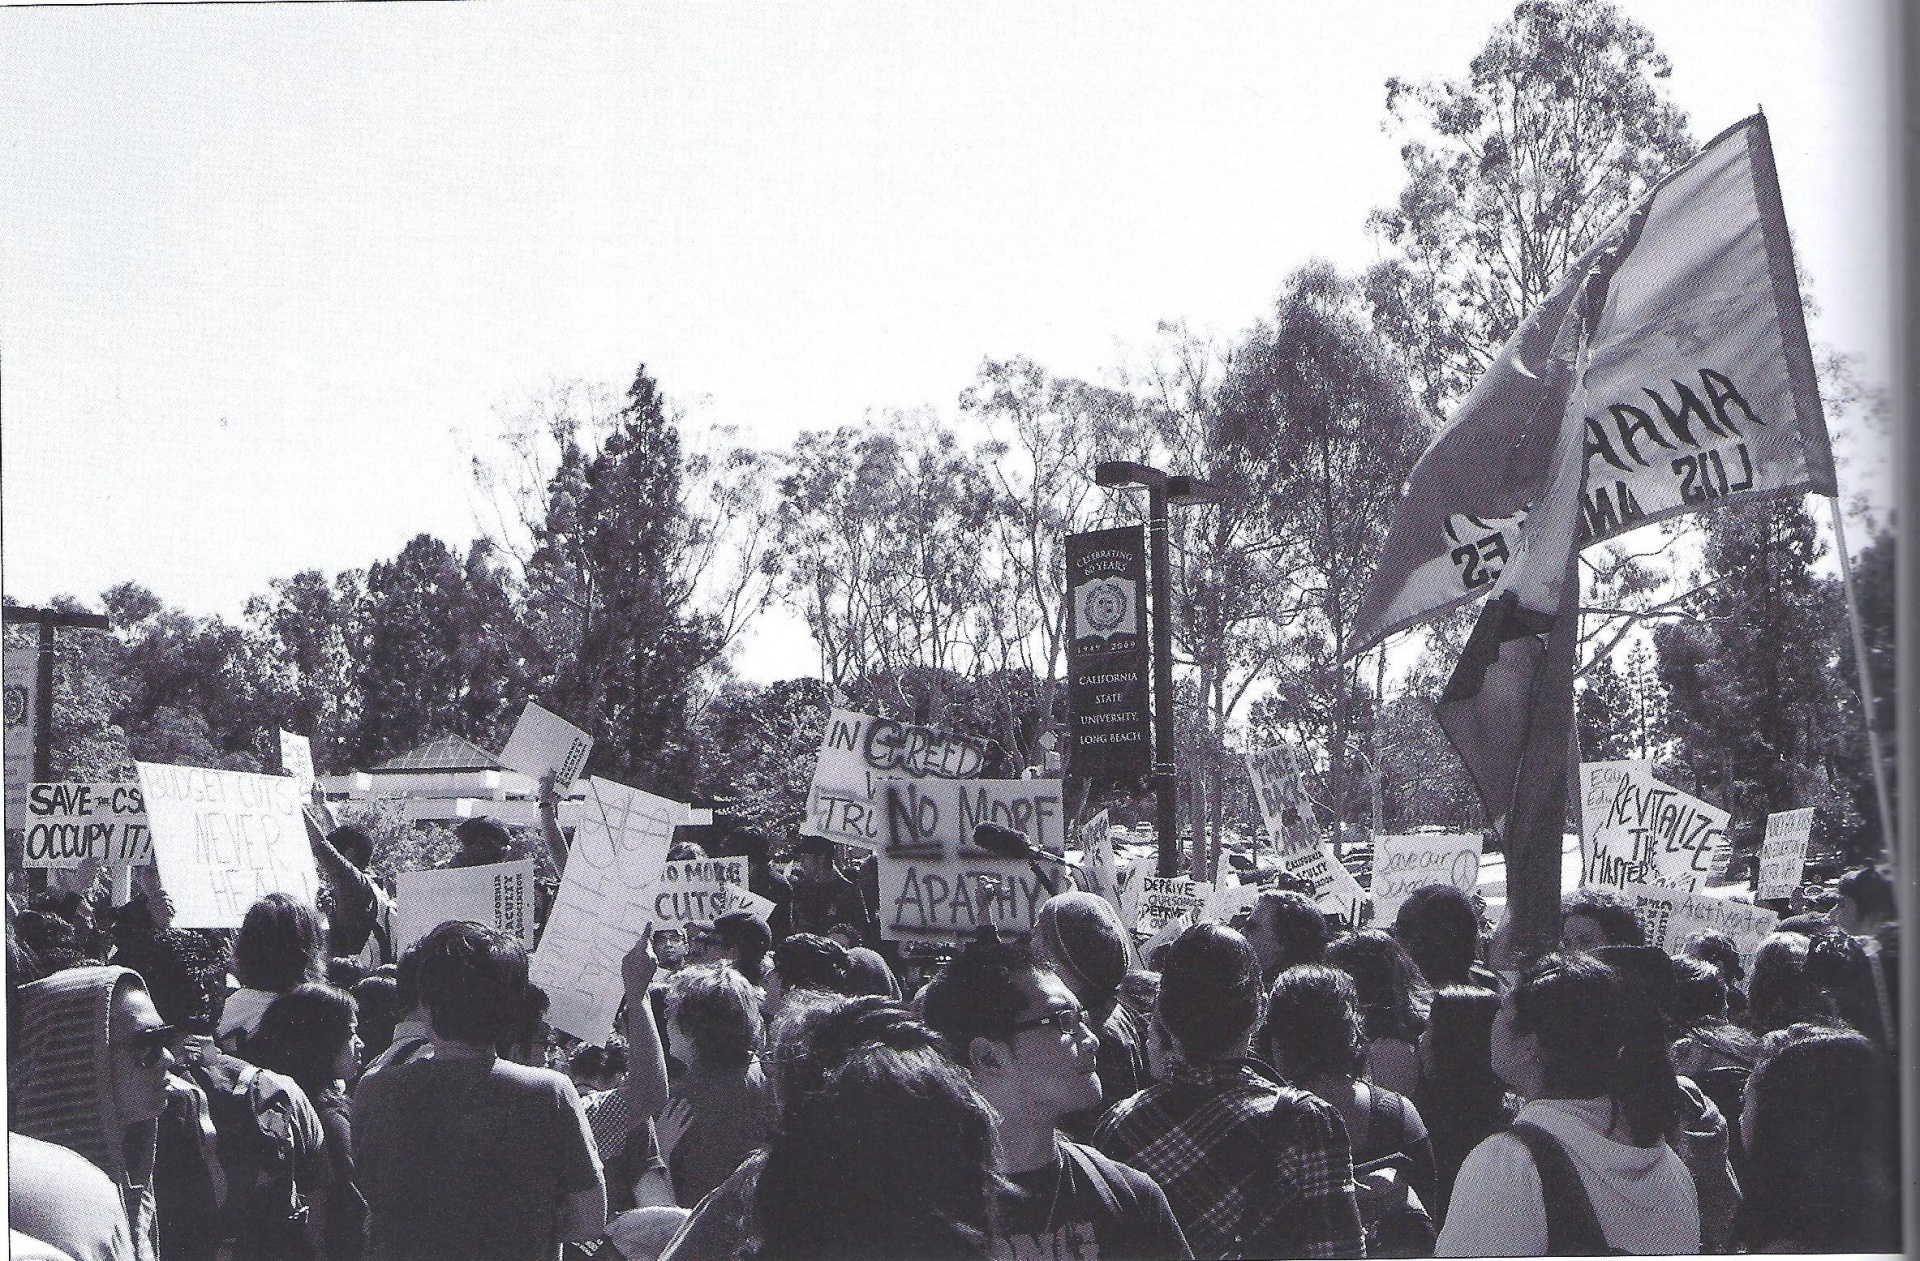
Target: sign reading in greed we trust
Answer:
[[935, 883], [222, 840], [68, 823], [1402, 864], [858, 751]]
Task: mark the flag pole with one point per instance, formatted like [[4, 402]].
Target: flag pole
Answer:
[[1887, 846]]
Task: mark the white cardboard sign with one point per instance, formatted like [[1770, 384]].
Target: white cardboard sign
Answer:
[[544, 741], [1280, 786], [67, 823], [222, 840], [1402, 864], [1671, 915], [1335, 891], [858, 752], [606, 898], [1783, 854], [696, 890], [296, 759], [1651, 833], [1164, 899], [499, 895], [934, 882]]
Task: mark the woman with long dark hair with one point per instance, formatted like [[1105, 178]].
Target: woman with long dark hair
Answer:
[[1586, 1168], [1822, 1139], [310, 1033], [1462, 1100], [1393, 1004], [282, 943]]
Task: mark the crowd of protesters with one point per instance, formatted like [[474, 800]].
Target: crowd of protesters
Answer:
[[795, 1087]]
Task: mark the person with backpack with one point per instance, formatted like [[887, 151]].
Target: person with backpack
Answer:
[[1586, 1168], [282, 943], [1250, 1167], [1316, 1038], [310, 1034]]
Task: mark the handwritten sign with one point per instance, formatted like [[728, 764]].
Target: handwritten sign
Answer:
[[1599, 784], [1163, 899], [1653, 834], [1280, 786], [499, 895], [1099, 868], [935, 883], [296, 759], [859, 751], [696, 890], [67, 823], [542, 742], [1783, 854], [1670, 916], [222, 840], [1402, 864], [740, 898], [606, 898]]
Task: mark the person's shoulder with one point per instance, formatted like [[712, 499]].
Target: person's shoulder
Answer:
[[1124, 1177], [51, 1164]]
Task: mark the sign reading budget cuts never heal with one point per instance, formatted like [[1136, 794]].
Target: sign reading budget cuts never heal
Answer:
[[222, 840], [935, 883], [859, 751]]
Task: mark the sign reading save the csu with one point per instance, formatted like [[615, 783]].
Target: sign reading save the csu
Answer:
[[858, 751], [935, 883]]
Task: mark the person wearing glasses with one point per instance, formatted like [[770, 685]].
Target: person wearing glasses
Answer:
[[1031, 1050], [90, 1075]]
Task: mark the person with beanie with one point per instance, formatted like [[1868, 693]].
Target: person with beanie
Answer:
[[1081, 937]]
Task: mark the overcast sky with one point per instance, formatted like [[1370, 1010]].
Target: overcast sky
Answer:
[[267, 273]]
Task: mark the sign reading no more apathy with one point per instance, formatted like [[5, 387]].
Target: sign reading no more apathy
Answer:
[[935, 883]]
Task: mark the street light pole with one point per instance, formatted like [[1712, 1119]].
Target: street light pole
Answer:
[[1162, 491]]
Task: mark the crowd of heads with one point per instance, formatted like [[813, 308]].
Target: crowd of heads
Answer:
[[1792, 1048]]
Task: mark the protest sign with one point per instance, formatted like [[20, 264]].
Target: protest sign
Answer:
[[1335, 891], [222, 840], [1126, 882], [858, 751], [499, 895], [737, 897], [1164, 898], [70, 822], [606, 898], [1228, 899], [19, 671], [1164, 937], [1108, 734], [696, 890], [1670, 916], [1099, 869], [1599, 784], [1783, 854], [296, 759], [1653, 834], [935, 883], [543, 742], [1280, 786], [1402, 864]]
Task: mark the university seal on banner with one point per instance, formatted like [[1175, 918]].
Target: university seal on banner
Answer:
[[1104, 608]]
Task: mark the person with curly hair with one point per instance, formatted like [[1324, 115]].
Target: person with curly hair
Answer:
[[722, 1107], [1393, 1004]]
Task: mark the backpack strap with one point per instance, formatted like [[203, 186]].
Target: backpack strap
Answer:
[[1572, 1228], [1091, 1171]]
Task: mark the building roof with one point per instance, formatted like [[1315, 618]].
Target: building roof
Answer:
[[442, 753]]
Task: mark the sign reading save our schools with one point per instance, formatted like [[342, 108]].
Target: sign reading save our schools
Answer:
[[222, 840], [1402, 864], [70, 823], [858, 751], [935, 883], [1650, 833]]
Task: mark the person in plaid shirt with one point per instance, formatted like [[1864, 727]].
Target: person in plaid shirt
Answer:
[[1252, 1168]]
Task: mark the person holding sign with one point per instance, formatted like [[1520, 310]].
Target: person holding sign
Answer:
[[1030, 1048], [466, 1156]]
